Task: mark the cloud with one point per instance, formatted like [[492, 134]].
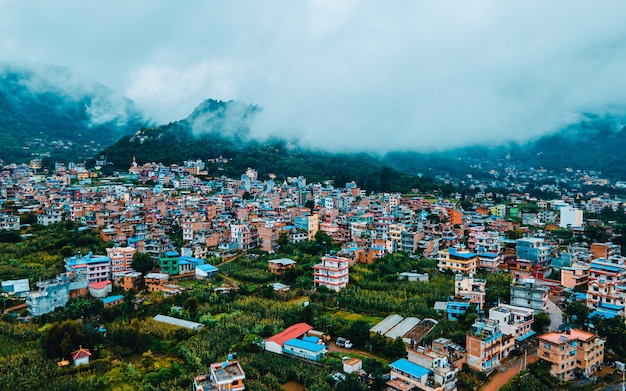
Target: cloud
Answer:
[[345, 75]]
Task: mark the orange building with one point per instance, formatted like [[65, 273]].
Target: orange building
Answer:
[[571, 352]]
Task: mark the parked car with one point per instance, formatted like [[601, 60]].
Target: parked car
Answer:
[[344, 343]]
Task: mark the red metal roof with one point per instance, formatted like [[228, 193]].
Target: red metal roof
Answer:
[[294, 331], [100, 284], [80, 353]]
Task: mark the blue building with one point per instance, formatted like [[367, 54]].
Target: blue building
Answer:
[[304, 349]]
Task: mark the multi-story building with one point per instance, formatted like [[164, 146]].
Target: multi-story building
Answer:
[[526, 293], [443, 373], [50, 216], [604, 250], [244, 236], [280, 266], [407, 375], [97, 268], [470, 288], [533, 249], [309, 222], [571, 352], [223, 376], [50, 295], [574, 276], [332, 272], [607, 294], [571, 217], [611, 269], [484, 345], [121, 258], [514, 321], [458, 261], [9, 222], [169, 263]]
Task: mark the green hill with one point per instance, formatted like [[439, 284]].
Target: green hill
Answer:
[[48, 112]]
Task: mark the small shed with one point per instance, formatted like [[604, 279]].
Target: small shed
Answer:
[[81, 356]]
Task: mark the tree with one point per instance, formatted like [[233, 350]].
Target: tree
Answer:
[[576, 312], [62, 338], [542, 322], [358, 333], [192, 306], [397, 349], [513, 234], [142, 262]]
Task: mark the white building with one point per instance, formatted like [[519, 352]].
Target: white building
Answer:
[[571, 217]]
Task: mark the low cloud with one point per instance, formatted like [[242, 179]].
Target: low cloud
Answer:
[[346, 75]]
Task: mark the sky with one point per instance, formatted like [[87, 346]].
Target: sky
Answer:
[[344, 75]]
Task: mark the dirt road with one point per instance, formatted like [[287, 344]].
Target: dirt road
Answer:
[[512, 368]]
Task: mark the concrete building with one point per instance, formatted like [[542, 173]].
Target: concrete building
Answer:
[[470, 288], [571, 352], [484, 345], [333, 273], [533, 249], [406, 375], [526, 293], [49, 296], [514, 321], [96, 267], [458, 261], [571, 217], [121, 258], [223, 376]]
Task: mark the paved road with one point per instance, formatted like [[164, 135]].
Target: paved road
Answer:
[[511, 368], [556, 315]]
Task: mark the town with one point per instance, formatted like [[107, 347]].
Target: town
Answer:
[[170, 278]]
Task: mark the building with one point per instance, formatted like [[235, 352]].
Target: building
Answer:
[[205, 271], [96, 267], [516, 322], [573, 276], [571, 217], [405, 375], [470, 288], [571, 352], [81, 356], [50, 216], [484, 345], [533, 249], [19, 288], [121, 258], [310, 348], [458, 261], [51, 294], [526, 293], [308, 223], [275, 343], [443, 372], [169, 263], [223, 376], [127, 280], [9, 222], [279, 266], [332, 273]]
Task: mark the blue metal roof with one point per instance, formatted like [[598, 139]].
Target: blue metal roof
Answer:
[[406, 366], [488, 255], [111, 299], [462, 255], [602, 314], [207, 268], [580, 295], [298, 343], [612, 307], [606, 267], [526, 336]]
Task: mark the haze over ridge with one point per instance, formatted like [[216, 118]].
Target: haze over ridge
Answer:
[[349, 75]]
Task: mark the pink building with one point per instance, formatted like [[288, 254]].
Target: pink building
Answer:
[[332, 273], [121, 258]]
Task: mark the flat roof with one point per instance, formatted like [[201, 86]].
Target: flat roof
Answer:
[[111, 299], [573, 334]]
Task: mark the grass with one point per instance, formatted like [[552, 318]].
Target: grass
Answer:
[[353, 317]]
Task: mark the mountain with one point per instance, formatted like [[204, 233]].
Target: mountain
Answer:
[[220, 129], [594, 144], [49, 112]]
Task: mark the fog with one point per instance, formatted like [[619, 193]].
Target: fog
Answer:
[[344, 75]]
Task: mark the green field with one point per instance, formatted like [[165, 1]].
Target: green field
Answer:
[[352, 317]]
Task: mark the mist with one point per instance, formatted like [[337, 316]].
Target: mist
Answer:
[[344, 75]]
